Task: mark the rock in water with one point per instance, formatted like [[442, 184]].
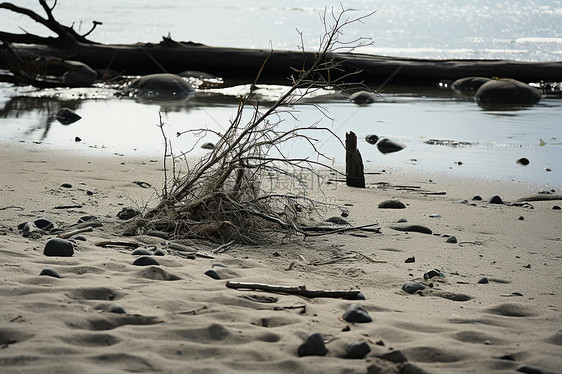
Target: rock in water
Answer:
[[208, 145], [468, 85], [50, 272], [313, 346], [358, 350], [507, 92], [372, 139], [58, 247], [412, 287], [160, 86], [356, 313], [145, 261], [388, 146], [67, 116], [363, 97], [523, 161], [392, 204]]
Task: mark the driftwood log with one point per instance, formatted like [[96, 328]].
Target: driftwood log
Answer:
[[354, 174], [237, 65]]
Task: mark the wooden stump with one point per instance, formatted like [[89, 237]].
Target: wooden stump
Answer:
[[354, 176]]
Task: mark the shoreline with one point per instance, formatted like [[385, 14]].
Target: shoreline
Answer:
[[178, 317]]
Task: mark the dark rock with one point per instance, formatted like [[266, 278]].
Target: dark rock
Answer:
[[67, 116], [363, 97], [208, 145], [412, 287], [521, 218], [218, 265], [468, 85], [50, 272], [145, 261], [160, 86], [495, 200], [392, 204], [409, 260], [484, 281], [412, 228], [80, 238], [337, 221], [213, 274], [523, 161], [529, 370], [358, 296], [59, 248], [394, 356], [388, 146], [116, 308], [128, 213], [89, 193], [433, 273], [452, 239], [66, 185], [78, 74], [356, 313], [372, 139], [507, 91], [477, 197], [87, 219], [402, 220], [556, 207], [159, 252], [77, 139], [43, 224], [357, 350], [313, 346], [140, 252]]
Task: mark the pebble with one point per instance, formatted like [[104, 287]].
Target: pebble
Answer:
[[159, 252], [80, 238], [140, 252], [313, 346], [477, 197], [145, 261], [529, 370], [434, 216], [372, 139], [58, 247], [556, 207], [208, 145], [409, 260], [356, 313], [363, 97], [50, 272], [43, 224], [402, 220], [484, 281], [452, 239], [496, 200], [358, 296], [392, 204], [66, 185], [213, 274], [357, 350], [394, 356], [521, 218], [67, 116], [433, 273], [116, 308], [413, 228], [388, 146], [523, 161], [412, 287]]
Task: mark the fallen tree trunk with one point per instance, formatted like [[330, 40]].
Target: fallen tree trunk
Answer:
[[237, 65]]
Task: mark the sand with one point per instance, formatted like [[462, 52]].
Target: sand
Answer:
[[177, 319]]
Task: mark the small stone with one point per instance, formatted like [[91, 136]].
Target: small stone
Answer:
[[392, 204], [496, 200], [128, 213], [452, 239], [388, 146], [477, 197], [50, 272], [523, 161], [159, 252], [80, 238], [116, 308], [433, 273], [346, 328], [521, 218], [402, 220], [357, 350], [140, 252], [529, 370], [67, 116], [356, 313], [484, 281], [372, 139], [412, 287], [358, 296], [66, 185], [89, 193], [208, 145], [394, 356], [77, 139], [58, 247], [488, 342], [409, 260], [213, 274], [145, 261], [363, 97], [548, 169], [313, 346], [434, 216], [412, 228], [43, 224], [556, 207]]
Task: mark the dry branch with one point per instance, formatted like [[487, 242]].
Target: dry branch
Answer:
[[300, 290]]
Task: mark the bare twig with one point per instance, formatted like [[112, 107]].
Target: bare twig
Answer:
[[70, 234], [301, 290]]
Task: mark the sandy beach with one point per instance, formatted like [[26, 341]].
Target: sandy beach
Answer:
[[106, 315]]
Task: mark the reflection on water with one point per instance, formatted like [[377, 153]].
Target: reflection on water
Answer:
[[492, 139]]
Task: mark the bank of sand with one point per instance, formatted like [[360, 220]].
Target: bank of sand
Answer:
[[195, 324]]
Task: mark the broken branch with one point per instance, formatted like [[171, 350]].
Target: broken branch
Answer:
[[300, 290]]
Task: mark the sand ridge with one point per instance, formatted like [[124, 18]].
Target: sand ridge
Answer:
[[180, 320]]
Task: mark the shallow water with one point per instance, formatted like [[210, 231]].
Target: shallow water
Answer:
[[523, 30]]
